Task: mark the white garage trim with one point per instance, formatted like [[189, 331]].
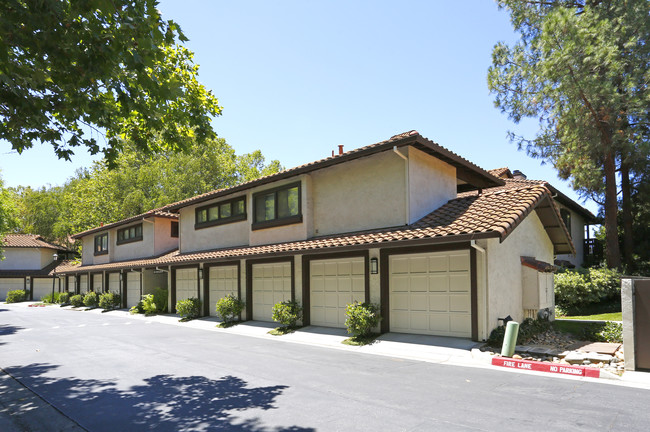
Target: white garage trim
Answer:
[[185, 284], [334, 283], [268, 282], [430, 291], [220, 280], [10, 284]]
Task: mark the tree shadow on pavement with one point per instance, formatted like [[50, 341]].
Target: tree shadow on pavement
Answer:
[[161, 403], [7, 330]]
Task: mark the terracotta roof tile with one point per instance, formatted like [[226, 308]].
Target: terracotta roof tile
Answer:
[[493, 213], [29, 241]]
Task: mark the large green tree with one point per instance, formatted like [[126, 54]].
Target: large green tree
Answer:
[[137, 183], [581, 68], [98, 73], [8, 213]]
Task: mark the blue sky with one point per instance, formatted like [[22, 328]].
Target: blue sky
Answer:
[[298, 78]]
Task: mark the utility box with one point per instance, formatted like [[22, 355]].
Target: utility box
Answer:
[[537, 289]]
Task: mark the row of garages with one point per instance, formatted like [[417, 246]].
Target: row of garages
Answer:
[[430, 292]]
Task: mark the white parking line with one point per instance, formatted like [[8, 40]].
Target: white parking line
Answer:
[[56, 327], [106, 324], [81, 325]]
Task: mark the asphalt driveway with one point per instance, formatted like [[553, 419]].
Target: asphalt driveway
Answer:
[[109, 372]]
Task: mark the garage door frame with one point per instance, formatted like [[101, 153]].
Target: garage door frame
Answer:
[[306, 277], [172, 291], [206, 282], [384, 272], [249, 279]]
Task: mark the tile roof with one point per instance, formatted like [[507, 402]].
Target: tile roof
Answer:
[[501, 172], [159, 212], [465, 168], [491, 214], [29, 241]]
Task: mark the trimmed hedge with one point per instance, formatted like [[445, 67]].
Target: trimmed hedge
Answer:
[[189, 309], [16, 296], [229, 308], [361, 318], [287, 313], [110, 301]]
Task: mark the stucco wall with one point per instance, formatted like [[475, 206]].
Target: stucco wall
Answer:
[[231, 234], [505, 271], [136, 249], [23, 259], [361, 194], [432, 183], [163, 240], [578, 238]]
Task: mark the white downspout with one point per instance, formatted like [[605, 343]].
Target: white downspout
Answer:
[[485, 294], [408, 194]]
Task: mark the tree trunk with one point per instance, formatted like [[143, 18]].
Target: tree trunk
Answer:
[[628, 236], [613, 253]]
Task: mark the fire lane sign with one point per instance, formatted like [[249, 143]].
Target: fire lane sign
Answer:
[[564, 369]]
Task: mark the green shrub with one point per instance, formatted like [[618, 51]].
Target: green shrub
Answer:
[[361, 318], [578, 289], [64, 298], [91, 300], [189, 309], [77, 300], [603, 332], [49, 298], [287, 313], [109, 301], [229, 308], [156, 302], [528, 329], [16, 296], [137, 309]]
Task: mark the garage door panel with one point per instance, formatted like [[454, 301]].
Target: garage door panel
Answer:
[[83, 284], [419, 283], [459, 262], [430, 299], [41, 288], [114, 283], [459, 283], [438, 264], [438, 302], [418, 302], [460, 303], [438, 283], [223, 281], [342, 282]]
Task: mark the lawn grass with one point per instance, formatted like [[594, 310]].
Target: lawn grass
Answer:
[[280, 331], [573, 327], [611, 316]]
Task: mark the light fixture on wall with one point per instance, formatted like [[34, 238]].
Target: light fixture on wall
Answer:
[[120, 273], [200, 273], [374, 266]]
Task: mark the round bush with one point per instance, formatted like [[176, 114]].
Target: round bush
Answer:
[[16, 296], [77, 300], [189, 309], [91, 299], [361, 318], [64, 298], [229, 308], [287, 313], [109, 301]]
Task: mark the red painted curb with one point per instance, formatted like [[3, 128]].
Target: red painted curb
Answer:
[[557, 368]]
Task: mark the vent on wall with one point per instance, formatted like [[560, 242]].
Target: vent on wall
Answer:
[[530, 313]]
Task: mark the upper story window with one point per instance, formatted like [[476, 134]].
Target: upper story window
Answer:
[[129, 234], [566, 218], [101, 244], [221, 213], [174, 232], [279, 206]]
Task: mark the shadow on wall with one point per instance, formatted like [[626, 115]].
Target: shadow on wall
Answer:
[[161, 403]]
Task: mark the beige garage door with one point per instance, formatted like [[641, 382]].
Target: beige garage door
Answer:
[[114, 283], [186, 284], [132, 289], [271, 285], [42, 287], [334, 284], [10, 284], [223, 281], [83, 284], [98, 283], [430, 294]]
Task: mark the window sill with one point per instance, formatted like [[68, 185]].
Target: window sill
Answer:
[[101, 253], [277, 222], [133, 240]]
